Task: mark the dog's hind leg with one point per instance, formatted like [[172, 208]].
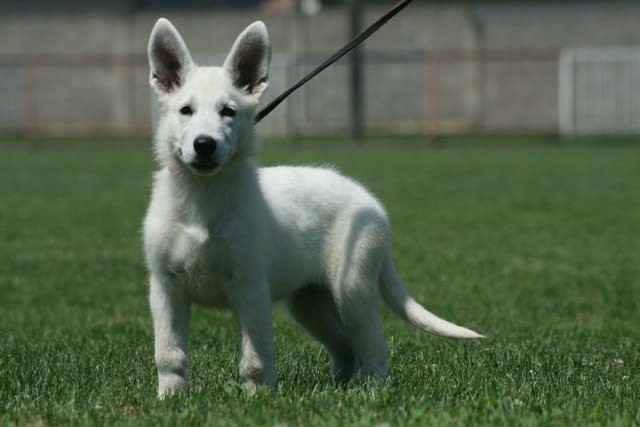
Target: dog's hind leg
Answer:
[[314, 308], [358, 309], [355, 289]]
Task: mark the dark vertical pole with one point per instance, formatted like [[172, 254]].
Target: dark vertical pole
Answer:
[[357, 75]]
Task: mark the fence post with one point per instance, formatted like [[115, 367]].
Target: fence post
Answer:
[[357, 75], [566, 110], [432, 102], [31, 110]]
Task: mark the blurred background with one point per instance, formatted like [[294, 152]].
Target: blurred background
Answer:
[[440, 67]]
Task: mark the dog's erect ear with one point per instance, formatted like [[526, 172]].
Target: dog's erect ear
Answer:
[[249, 59], [169, 58]]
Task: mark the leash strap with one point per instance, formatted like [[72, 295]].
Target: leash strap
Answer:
[[339, 54]]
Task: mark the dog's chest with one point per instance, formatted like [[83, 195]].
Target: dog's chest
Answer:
[[201, 261]]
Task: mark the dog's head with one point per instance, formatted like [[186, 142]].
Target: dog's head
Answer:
[[207, 112]]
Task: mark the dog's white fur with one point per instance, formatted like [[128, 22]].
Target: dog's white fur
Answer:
[[223, 233]]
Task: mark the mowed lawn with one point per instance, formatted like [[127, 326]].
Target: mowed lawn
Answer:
[[538, 247]]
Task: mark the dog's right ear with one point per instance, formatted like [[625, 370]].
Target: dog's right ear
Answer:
[[169, 58]]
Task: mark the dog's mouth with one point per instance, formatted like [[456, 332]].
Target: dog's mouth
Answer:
[[203, 166]]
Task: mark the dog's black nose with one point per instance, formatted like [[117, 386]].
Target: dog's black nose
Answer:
[[204, 145]]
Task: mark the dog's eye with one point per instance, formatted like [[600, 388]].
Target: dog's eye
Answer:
[[186, 110], [228, 111]]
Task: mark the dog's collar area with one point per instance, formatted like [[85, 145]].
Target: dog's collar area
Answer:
[[175, 171]]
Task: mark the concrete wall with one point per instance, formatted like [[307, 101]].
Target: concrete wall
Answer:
[[451, 67]]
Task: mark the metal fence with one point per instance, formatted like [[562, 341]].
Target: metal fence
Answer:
[[436, 92], [73, 94], [419, 92]]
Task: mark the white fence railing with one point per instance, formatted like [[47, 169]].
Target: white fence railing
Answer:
[[599, 91]]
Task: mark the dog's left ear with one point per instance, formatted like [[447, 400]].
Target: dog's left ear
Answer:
[[249, 59]]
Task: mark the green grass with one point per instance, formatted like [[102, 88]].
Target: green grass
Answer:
[[536, 246]]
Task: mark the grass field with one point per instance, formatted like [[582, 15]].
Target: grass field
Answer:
[[538, 247]]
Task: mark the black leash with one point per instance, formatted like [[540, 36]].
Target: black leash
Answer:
[[339, 54]]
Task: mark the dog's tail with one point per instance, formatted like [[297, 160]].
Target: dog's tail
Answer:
[[398, 299]]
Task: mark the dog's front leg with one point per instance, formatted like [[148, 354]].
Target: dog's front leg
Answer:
[[252, 310], [170, 309]]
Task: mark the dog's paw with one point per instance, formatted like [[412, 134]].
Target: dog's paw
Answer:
[[255, 383], [171, 385], [251, 387]]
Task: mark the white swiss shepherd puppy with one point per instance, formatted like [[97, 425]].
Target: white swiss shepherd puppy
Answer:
[[224, 233]]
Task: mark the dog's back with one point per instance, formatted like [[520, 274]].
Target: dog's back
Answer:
[[324, 215]]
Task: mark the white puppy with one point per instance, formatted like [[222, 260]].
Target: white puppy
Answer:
[[223, 233]]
